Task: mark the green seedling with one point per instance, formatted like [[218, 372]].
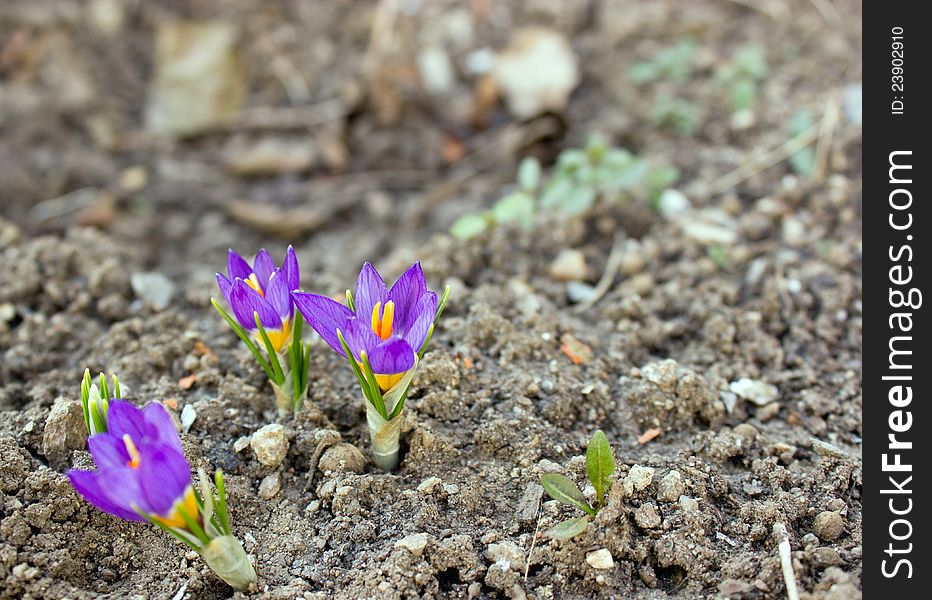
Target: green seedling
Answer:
[[672, 64], [600, 467], [95, 400], [581, 178], [680, 115], [802, 161], [740, 76]]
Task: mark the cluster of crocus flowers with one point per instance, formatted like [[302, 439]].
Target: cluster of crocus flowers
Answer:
[[96, 400], [383, 333], [263, 313], [142, 475]]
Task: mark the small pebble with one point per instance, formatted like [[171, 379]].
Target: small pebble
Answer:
[[671, 487], [647, 517], [758, 392], [600, 559], [829, 525], [688, 504], [270, 444], [270, 485], [342, 458], [414, 543], [569, 265], [638, 478], [188, 414], [153, 288]]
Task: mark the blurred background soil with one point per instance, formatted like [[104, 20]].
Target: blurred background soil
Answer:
[[710, 324]]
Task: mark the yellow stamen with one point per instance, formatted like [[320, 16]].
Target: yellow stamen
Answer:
[[376, 321], [189, 503], [278, 337], [253, 282], [388, 318], [132, 450], [382, 320], [387, 382]]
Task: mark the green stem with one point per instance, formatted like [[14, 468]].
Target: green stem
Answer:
[[241, 333], [273, 355]]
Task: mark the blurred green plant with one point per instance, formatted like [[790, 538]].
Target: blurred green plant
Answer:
[[580, 178], [803, 161], [600, 468], [682, 116], [740, 76], [674, 64]]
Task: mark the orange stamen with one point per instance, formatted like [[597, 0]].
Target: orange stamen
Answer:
[[382, 326]]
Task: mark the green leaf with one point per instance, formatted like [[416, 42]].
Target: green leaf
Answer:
[[629, 175], [743, 94], [577, 201], [643, 72], [556, 192], [529, 174], [567, 530], [803, 161], [469, 226], [600, 464], [563, 490], [518, 206]]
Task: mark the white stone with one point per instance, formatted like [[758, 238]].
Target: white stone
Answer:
[[414, 543], [270, 445], [153, 288], [638, 478], [600, 559], [673, 202], [436, 70], [188, 414], [755, 391], [270, 486], [537, 72]]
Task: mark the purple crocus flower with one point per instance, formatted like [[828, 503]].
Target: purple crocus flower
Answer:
[[389, 326], [262, 289], [140, 465]]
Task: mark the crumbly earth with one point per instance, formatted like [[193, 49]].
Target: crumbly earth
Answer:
[[519, 373]]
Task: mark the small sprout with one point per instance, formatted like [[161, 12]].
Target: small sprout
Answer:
[[263, 313], [600, 468], [803, 161], [672, 64], [143, 475], [740, 76], [680, 115], [95, 401], [384, 334], [581, 178]]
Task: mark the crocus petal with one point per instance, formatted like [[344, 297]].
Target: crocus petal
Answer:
[[92, 486], [421, 318], [164, 475], [123, 418], [394, 355], [237, 266], [278, 295], [246, 302], [109, 451], [225, 286], [166, 433], [360, 337], [263, 266], [324, 315], [291, 270], [370, 289], [405, 294]]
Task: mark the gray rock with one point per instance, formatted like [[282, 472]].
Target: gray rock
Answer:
[[506, 552], [153, 288], [64, 430], [529, 503]]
